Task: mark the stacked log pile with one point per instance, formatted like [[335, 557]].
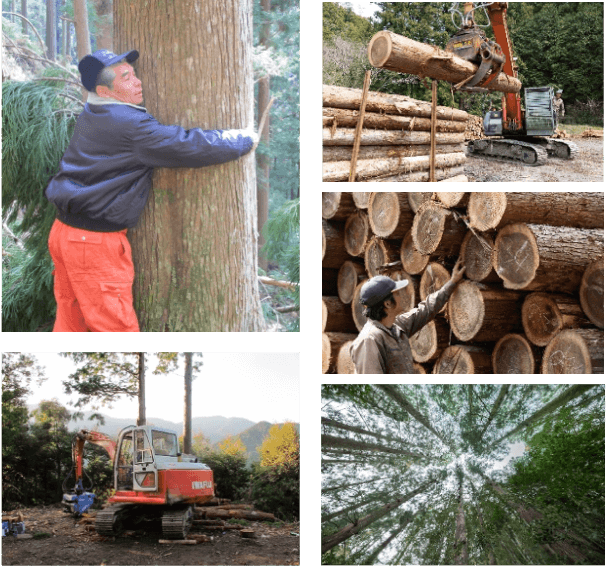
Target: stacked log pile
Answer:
[[395, 138], [532, 300]]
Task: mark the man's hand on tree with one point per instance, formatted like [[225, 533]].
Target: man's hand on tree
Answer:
[[457, 271]]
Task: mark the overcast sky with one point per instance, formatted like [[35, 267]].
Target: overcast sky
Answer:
[[365, 9], [257, 386]]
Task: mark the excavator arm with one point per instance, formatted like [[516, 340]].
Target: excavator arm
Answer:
[[493, 57], [78, 499]]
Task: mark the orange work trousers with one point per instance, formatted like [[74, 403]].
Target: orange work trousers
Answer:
[[94, 276]]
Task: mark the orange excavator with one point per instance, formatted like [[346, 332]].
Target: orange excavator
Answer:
[[514, 133], [152, 481]]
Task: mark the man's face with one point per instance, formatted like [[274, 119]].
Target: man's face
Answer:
[[127, 87]]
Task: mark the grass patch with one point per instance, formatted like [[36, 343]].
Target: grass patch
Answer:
[[577, 130], [42, 535], [276, 524], [238, 522]]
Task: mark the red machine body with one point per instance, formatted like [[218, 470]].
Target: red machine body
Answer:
[[152, 480]]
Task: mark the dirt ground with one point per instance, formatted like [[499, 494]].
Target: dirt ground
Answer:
[[70, 543], [588, 166]]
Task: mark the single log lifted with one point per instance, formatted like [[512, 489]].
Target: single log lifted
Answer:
[[388, 50]]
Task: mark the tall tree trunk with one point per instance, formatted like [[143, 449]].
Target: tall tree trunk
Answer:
[[51, 29], [348, 485], [142, 420], [104, 38], [461, 554], [342, 426], [347, 443], [263, 185], [495, 408], [82, 34], [356, 505], [24, 27], [372, 558], [187, 410], [195, 247]]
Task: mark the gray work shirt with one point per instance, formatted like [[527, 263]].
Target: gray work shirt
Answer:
[[379, 349]]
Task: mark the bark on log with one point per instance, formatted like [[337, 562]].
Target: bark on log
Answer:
[[342, 97], [239, 514], [370, 168], [537, 257], [412, 261], [417, 177], [336, 317], [594, 338], [332, 343], [344, 362], [333, 245], [455, 179], [357, 233], [495, 210], [388, 50], [345, 136], [434, 278], [329, 281], [349, 118], [360, 199], [343, 153], [417, 199]]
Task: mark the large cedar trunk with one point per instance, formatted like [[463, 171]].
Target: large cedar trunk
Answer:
[[195, 247], [187, 405], [104, 24]]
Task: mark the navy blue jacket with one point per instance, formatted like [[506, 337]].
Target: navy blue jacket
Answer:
[[104, 176]]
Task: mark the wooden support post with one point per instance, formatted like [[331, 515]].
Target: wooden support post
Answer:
[[358, 135], [432, 149]]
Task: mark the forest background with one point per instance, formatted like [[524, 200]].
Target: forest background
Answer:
[[559, 44], [424, 474]]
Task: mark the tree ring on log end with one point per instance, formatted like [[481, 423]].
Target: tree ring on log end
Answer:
[[357, 232], [566, 353], [378, 253], [433, 279], [466, 310], [541, 318], [415, 200], [325, 353], [412, 261], [418, 368], [347, 280], [454, 359], [357, 310], [344, 361], [361, 199], [428, 227], [476, 251], [379, 49], [389, 214], [485, 210], [513, 354], [451, 199], [424, 343], [516, 256]]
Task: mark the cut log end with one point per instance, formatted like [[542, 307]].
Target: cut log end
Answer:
[[463, 359], [513, 354], [349, 276], [379, 49], [541, 318], [566, 353], [357, 310], [378, 253], [412, 261], [486, 210], [516, 256], [357, 233], [591, 292], [344, 361], [476, 251], [466, 310]]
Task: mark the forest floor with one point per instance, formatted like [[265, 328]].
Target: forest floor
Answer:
[[66, 542], [588, 166]]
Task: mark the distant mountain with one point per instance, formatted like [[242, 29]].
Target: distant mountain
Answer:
[[215, 429]]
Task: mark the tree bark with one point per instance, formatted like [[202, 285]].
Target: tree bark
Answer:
[[345, 364], [388, 50], [513, 354], [594, 340], [456, 179], [81, 25], [390, 215], [333, 245], [51, 29], [360, 503], [337, 206], [417, 177], [372, 558], [24, 28], [461, 554], [591, 292], [347, 486], [105, 39], [495, 408], [336, 316], [329, 441], [357, 310], [357, 233], [195, 247], [342, 426], [350, 275], [187, 404], [141, 420]]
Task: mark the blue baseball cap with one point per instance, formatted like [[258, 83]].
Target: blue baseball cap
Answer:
[[378, 288], [92, 65]]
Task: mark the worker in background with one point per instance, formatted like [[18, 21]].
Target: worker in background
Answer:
[[102, 186], [383, 344], [558, 106]]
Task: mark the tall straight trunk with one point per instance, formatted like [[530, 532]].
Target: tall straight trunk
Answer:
[[348, 485], [372, 558], [51, 29], [461, 554], [495, 408], [141, 421], [356, 505], [342, 426], [82, 34], [195, 246], [104, 38], [187, 410], [24, 26], [347, 443]]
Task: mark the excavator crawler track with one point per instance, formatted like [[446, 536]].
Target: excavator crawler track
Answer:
[[563, 149], [176, 523], [510, 150], [110, 521], [533, 153]]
